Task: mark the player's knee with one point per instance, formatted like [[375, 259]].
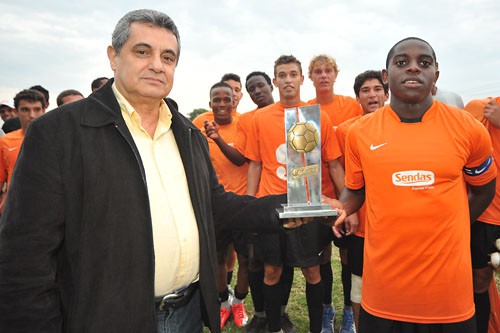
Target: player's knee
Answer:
[[481, 279], [312, 274], [355, 288], [272, 274]]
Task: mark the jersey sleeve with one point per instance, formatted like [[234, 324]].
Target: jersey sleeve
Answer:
[[3, 165], [252, 149], [354, 178], [480, 167], [330, 149], [242, 129], [476, 108]]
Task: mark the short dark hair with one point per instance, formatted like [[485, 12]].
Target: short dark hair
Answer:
[[148, 16], [230, 76], [257, 73], [30, 95], [65, 93], [391, 51], [368, 75], [287, 59], [96, 84], [220, 85], [44, 92]]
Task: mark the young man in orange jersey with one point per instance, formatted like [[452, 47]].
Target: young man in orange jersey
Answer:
[[235, 82], [267, 174], [233, 178], [486, 229], [410, 159], [30, 104], [371, 93], [323, 71]]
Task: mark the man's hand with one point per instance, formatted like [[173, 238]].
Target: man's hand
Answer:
[[211, 129], [492, 112], [296, 222], [341, 217]]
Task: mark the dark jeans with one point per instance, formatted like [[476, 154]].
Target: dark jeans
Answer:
[[186, 319]]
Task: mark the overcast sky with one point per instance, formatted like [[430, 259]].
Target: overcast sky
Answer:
[[62, 44]]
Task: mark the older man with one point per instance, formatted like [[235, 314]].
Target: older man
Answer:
[[109, 222]]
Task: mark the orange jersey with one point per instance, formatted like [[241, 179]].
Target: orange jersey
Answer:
[[199, 121], [231, 176], [340, 109], [341, 132], [417, 264], [244, 126], [10, 144], [266, 144], [492, 214]]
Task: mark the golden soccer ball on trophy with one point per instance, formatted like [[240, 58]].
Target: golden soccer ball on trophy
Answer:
[[303, 137]]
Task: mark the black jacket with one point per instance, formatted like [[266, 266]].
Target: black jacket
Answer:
[[76, 245]]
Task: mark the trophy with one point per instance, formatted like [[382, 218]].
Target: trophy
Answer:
[[303, 164]]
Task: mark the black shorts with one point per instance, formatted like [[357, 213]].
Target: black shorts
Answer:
[[300, 247], [342, 242], [371, 324], [355, 254], [482, 242], [238, 238]]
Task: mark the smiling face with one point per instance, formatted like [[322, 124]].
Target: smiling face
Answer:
[[221, 103], [144, 68], [411, 72], [371, 95], [288, 81], [237, 93]]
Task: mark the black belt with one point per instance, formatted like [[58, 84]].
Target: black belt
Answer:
[[177, 299]]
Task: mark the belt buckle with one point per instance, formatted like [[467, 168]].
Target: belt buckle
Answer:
[[167, 298]]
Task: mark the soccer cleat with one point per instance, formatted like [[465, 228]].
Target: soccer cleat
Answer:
[[256, 325], [286, 324], [347, 322], [239, 314], [497, 244], [328, 320], [225, 313]]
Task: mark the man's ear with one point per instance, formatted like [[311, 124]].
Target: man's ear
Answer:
[[112, 57], [437, 73], [384, 76]]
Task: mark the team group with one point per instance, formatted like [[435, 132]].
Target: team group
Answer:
[[248, 152]]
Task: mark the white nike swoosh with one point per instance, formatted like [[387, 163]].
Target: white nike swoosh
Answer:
[[372, 147], [477, 172], [12, 148]]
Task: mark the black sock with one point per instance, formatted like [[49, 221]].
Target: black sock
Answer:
[[272, 298], [238, 295], [326, 273], [314, 296], [229, 277], [286, 281], [346, 284], [483, 307], [224, 296], [256, 282]]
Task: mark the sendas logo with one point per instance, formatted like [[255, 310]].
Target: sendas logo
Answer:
[[413, 178]]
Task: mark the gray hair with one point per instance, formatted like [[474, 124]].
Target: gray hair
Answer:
[[148, 16]]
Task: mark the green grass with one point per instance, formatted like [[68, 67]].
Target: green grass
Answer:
[[297, 307]]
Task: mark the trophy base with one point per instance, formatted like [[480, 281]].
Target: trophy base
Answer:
[[305, 211]]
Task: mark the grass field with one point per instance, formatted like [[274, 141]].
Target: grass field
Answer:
[[297, 308]]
